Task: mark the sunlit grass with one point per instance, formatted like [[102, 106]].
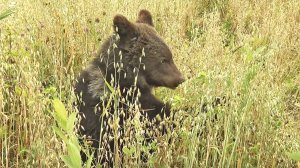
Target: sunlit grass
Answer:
[[245, 51]]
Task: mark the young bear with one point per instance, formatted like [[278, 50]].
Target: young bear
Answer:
[[133, 57]]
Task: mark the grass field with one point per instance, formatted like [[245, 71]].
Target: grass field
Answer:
[[246, 51]]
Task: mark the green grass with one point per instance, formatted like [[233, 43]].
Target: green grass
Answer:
[[243, 50]]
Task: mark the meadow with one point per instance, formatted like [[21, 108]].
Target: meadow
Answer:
[[245, 51]]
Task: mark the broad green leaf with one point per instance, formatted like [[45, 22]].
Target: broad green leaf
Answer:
[[71, 122], [75, 141], [74, 154], [60, 133], [60, 108], [67, 161], [60, 113]]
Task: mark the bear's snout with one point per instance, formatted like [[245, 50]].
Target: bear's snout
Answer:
[[179, 81], [175, 81]]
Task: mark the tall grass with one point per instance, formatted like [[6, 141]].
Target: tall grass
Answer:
[[246, 51]]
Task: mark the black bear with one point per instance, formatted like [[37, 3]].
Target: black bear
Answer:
[[132, 61]]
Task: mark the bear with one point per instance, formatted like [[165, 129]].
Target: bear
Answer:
[[130, 64]]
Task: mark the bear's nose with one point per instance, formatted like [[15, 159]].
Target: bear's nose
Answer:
[[181, 80]]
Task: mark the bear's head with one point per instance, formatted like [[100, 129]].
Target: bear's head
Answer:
[[150, 54]]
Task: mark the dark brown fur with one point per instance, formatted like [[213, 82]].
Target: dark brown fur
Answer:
[[145, 59]]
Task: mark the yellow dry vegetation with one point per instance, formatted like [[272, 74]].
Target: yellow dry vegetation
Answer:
[[246, 51]]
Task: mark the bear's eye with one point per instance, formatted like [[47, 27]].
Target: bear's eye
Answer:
[[163, 61]]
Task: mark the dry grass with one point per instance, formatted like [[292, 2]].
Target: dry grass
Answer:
[[248, 51]]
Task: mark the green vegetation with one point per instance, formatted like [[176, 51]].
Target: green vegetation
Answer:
[[5, 14], [247, 51]]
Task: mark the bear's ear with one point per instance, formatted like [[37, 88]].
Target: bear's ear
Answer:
[[123, 26], [145, 17]]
